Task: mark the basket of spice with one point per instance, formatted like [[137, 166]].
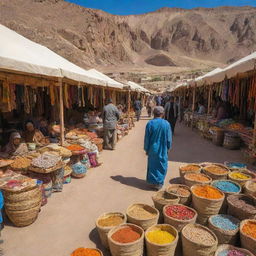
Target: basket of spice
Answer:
[[240, 177], [228, 187], [126, 240], [248, 234], [242, 206], [179, 215], [216, 171], [233, 166], [142, 215], [21, 164], [191, 179], [229, 250], [250, 188], [76, 149], [207, 200], [225, 227], [161, 240], [198, 240], [182, 191], [86, 252], [106, 222], [193, 168]]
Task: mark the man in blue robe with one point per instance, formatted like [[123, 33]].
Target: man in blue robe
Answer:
[[157, 142]]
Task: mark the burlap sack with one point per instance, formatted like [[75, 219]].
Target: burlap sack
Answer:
[[184, 199], [183, 172], [190, 183], [129, 249], [198, 249], [225, 236], [162, 250], [247, 242], [248, 190], [230, 247]]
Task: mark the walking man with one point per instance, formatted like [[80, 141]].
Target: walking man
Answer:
[[171, 113], [110, 117], [137, 108], [157, 142]]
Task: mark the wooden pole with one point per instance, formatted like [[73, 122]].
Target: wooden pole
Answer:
[[62, 137], [209, 100], [194, 99]]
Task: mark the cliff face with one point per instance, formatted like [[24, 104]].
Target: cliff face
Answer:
[[167, 37]]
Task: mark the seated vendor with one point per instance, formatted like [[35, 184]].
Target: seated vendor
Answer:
[[33, 135], [53, 134], [94, 118], [43, 127], [201, 109], [14, 147], [221, 110]]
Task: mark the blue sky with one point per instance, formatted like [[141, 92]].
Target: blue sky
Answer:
[[125, 7]]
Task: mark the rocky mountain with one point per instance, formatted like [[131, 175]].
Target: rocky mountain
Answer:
[[167, 38]]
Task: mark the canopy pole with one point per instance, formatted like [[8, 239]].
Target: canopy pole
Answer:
[[62, 137], [194, 99], [254, 134], [209, 100]]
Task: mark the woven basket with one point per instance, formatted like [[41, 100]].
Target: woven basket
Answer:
[[225, 236], [52, 169], [144, 223], [248, 190], [215, 176], [162, 198], [191, 248], [23, 218], [206, 207], [186, 200], [165, 249], [18, 196], [183, 172], [224, 247], [189, 182], [247, 242], [238, 168], [178, 224], [103, 231], [130, 249], [238, 212], [240, 181]]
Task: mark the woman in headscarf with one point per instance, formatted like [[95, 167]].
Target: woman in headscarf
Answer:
[[14, 147], [33, 135]]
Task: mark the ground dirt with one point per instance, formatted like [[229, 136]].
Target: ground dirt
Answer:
[[68, 220]]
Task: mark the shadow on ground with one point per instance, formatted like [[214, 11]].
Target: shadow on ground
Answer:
[[132, 182]]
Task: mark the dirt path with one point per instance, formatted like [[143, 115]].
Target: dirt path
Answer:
[[67, 221]]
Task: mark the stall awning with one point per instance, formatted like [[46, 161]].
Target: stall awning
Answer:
[[19, 54], [137, 87]]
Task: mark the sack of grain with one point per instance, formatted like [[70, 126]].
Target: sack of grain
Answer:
[[182, 191], [216, 171], [250, 188], [189, 168], [226, 248]]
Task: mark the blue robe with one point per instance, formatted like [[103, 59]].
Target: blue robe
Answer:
[[157, 142]]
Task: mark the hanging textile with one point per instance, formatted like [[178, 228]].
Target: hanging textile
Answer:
[[66, 98], [52, 94], [83, 101], [26, 100]]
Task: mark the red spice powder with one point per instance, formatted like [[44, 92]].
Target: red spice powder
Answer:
[[125, 235], [179, 212]]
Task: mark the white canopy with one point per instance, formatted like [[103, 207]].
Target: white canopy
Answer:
[[136, 87], [110, 82], [204, 79], [20, 54]]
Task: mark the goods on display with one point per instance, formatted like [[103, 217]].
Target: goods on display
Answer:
[[126, 235], [230, 250], [190, 168], [249, 228], [250, 188], [240, 176], [235, 165], [21, 163], [5, 162], [225, 222], [233, 252], [179, 190], [197, 177], [160, 237], [75, 147], [236, 126], [86, 252], [46, 160], [215, 169], [227, 186], [162, 198], [179, 212], [208, 192], [142, 212], [198, 234], [110, 221]]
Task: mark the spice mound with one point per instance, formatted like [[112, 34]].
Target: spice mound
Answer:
[[207, 191], [85, 252], [179, 212], [227, 186], [21, 163], [160, 237], [239, 176], [111, 221], [225, 222], [180, 191], [215, 169], [190, 168], [197, 177], [142, 212], [198, 234], [125, 235], [243, 202], [75, 147], [46, 160], [249, 229], [233, 252]]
